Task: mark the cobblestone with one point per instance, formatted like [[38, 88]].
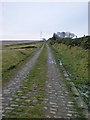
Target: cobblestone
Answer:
[[12, 87], [60, 104]]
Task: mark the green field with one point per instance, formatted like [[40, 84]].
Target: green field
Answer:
[[14, 55], [75, 61]]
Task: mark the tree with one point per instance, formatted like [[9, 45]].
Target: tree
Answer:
[[62, 34], [72, 35], [44, 39], [55, 36], [58, 34]]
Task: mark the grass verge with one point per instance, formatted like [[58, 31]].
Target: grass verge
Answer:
[[29, 99]]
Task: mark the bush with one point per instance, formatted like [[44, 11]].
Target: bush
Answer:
[[84, 42]]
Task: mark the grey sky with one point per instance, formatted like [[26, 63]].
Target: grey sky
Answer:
[[25, 20]]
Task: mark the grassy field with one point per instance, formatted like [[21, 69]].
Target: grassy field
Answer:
[[14, 55], [75, 61], [31, 105]]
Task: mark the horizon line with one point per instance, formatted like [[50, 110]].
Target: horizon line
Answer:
[[20, 39]]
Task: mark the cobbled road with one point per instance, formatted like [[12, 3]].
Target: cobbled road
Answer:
[[59, 103], [10, 88]]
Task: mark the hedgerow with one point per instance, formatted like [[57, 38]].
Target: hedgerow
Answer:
[[84, 42]]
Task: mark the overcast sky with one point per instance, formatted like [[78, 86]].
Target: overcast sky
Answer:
[[25, 20]]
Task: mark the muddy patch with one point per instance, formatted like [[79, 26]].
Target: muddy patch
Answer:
[[11, 67]]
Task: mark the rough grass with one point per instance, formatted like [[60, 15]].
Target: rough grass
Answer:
[[11, 58], [75, 59], [37, 44], [33, 90]]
